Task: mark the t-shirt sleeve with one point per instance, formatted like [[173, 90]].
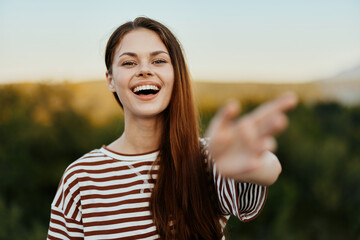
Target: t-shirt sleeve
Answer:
[[66, 217], [241, 199]]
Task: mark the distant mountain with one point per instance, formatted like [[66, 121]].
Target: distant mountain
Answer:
[[352, 74], [343, 87]]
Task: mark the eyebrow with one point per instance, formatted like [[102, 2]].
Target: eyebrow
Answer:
[[151, 54]]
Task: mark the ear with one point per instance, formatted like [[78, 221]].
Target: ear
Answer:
[[110, 82]]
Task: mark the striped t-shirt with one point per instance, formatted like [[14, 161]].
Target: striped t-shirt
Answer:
[[106, 195]]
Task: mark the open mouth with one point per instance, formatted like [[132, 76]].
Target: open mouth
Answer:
[[146, 90]]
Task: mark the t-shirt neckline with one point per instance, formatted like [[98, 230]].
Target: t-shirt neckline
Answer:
[[129, 157]]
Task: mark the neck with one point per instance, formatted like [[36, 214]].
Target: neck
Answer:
[[140, 135]]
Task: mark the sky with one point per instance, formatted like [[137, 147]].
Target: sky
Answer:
[[252, 41]]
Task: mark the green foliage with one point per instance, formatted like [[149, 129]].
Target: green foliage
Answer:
[[40, 135], [316, 196]]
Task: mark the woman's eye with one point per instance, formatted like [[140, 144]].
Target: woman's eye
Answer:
[[128, 64], [159, 61]]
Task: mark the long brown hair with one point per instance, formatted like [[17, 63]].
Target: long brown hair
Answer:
[[180, 201]]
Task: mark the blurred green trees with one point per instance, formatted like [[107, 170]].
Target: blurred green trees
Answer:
[[316, 197], [40, 135]]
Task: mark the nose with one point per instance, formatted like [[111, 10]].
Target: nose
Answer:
[[144, 71]]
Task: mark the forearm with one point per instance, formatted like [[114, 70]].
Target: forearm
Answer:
[[265, 174]]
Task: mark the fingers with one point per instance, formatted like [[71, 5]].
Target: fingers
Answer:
[[287, 101], [273, 125], [270, 119], [283, 103], [257, 129], [254, 139]]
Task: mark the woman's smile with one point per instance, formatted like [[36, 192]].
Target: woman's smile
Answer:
[[146, 91]]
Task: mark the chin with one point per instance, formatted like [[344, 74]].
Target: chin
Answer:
[[150, 113]]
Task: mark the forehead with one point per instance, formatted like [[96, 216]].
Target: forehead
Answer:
[[140, 41]]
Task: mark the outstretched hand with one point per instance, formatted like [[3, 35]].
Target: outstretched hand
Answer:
[[238, 145]]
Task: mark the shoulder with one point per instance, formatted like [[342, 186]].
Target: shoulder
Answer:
[[79, 168], [88, 158], [86, 162], [68, 190]]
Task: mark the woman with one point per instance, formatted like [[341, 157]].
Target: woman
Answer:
[[158, 180]]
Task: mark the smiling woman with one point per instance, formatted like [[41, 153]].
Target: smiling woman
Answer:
[[159, 179]]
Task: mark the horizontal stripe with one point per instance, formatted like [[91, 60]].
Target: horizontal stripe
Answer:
[[109, 209], [117, 203], [123, 211], [122, 232], [102, 196], [114, 219]]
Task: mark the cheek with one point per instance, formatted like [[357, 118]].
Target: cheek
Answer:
[[121, 87], [169, 76], [171, 80], [122, 80], [170, 83]]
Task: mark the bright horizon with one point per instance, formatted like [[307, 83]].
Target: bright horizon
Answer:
[[262, 41]]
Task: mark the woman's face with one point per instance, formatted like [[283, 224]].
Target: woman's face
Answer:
[[142, 74]]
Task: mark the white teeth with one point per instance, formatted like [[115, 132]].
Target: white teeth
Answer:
[[145, 87]]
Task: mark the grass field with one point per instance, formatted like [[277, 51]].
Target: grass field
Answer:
[[94, 99]]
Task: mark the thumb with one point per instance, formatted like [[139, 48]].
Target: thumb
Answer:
[[224, 115]]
